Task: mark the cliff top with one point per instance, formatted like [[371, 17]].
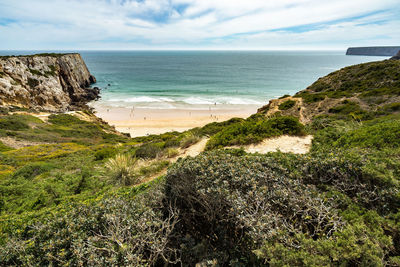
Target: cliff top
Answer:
[[57, 55]]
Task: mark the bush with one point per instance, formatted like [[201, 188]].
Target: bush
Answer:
[[104, 153], [115, 231], [31, 170], [287, 209], [230, 205], [254, 130], [149, 151], [3, 147], [13, 123], [287, 105], [188, 139], [121, 170], [171, 152]]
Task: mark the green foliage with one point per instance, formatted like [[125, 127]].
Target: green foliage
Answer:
[[60, 128], [284, 96], [15, 122], [115, 231], [188, 139], [330, 207], [31, 170], [105, 153], [35, 72], [149, 151], [254, 130], [4, 148], [390, 108], [287, 105], [378, 133], [215, 127]]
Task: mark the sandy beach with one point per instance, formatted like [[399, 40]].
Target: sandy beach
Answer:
[[146, 121]]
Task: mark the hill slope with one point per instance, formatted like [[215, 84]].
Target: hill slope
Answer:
[[81, 194]]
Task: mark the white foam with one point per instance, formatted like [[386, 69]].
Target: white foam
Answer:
[[242, 101], [199, 101], [142, 99]]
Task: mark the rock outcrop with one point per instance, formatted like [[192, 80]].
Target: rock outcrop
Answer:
[[396, 56], [53, 82]]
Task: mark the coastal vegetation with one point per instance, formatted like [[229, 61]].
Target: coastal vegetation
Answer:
[[73, 191]]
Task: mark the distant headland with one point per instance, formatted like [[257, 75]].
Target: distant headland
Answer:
[[384, 51]]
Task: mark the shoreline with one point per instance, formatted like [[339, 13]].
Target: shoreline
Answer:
[[147, 121]]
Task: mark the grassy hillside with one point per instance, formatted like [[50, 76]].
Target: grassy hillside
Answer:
[[81, 194]]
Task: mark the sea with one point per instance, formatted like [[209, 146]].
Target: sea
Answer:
[[199, 79]]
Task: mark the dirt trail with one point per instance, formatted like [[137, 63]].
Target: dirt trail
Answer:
[[195, 149], [285, 143]]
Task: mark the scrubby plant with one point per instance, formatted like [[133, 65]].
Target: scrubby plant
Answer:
[[287, 105], [121, 170], [151, 150], [3, 147], [188, 139], [105, 153], [171, 152], [115, 231]]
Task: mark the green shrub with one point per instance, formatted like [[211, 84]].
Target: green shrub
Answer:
[[284, 96], [31, 170], [104, 153], [287, 105], [171, 152], [376, 134], [115, 231], [149, 151], [390, 108], [328, 205], [35, 72], [3, 147], [254, 130], [14, 123], [188, 139]]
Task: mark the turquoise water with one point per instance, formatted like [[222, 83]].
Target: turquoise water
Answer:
[[198, 79]]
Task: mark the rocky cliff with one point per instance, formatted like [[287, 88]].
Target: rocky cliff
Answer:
[[384, 51], [53, 82], [396, 56]]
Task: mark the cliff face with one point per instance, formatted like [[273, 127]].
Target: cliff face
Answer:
[[53, 82], [385, 51]]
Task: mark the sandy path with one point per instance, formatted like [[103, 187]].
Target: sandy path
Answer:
[[195, 149], [285, 143]]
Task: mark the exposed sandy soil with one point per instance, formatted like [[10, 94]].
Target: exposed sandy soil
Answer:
[[11, 142], [285, 143]]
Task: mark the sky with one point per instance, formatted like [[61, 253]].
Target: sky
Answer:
[[197, 24]]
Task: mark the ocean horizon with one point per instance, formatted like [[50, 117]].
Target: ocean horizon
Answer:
[[189, 79]]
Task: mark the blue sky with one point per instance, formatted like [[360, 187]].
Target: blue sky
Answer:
[[197, 24]]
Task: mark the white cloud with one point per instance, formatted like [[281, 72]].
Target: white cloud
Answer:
[[218, 24]]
